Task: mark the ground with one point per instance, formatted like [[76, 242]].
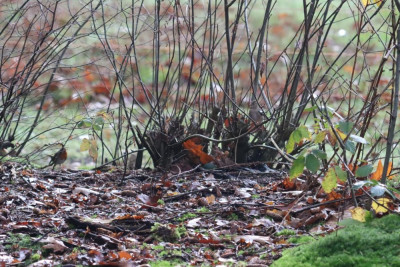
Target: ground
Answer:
[[243, 215]]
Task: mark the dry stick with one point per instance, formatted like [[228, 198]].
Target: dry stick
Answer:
[[138, 203], [291, 208], [283, 154], [256, 65], [393, 115], [53, 73], [171, 198], [120, 157], [223, 140], [185, 172], [322, 204]]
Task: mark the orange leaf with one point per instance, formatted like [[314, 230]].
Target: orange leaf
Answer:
[[289, 184], [196, 150], [124, 255], [377, 175], [332, 196], [348, 69], [389, 171], [89, 77]]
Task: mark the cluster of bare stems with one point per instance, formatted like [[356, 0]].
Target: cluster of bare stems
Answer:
[[166, 71]]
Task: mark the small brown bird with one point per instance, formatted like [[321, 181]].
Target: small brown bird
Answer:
[[3, 148], [59, 157]]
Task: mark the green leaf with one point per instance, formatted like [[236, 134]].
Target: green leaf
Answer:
[[296, 136], [290, 144], [312, 163], [96, 127], [310, 109], [320, 137], [85, 145], [350, 146], [330, 181], [346, 126], [304, 132], [341, 174], [85, 123], [297, 168], [319, 153], [99, 121], [364, 171]]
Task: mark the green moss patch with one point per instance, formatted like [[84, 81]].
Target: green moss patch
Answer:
[[376, 243]]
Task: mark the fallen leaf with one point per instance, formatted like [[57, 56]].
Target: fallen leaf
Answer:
[[84, 191], [54, 244], [381, 205], [210, 199], [358, 214], [193, 223], [251, 238], [197, 151], [289, 184], [124, 255]]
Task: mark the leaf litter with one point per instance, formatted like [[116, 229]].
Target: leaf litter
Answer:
[[242, 214]]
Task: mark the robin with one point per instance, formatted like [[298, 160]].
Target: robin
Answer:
[[3, 148], [59, 157]]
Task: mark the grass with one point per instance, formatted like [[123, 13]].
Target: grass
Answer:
[[376, 243]]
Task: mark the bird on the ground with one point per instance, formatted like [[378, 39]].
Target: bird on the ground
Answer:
[[3, 148], [59, 157]]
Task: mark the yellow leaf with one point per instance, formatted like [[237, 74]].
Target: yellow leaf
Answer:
[[371, 2], [330, 181], [85, 145], [381, 205], [331, 138], [93, 150], [358, 214], [341, 134], [320, 137]]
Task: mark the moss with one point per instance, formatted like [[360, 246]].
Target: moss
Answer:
[[301, 239], [187, 216], [376, 243], [166, 263], [286, 232]]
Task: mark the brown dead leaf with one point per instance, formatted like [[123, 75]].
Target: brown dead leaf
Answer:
[[54, 244], [210, 199], [197, 151], [289, 184], [124, 255], [253, 238]]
